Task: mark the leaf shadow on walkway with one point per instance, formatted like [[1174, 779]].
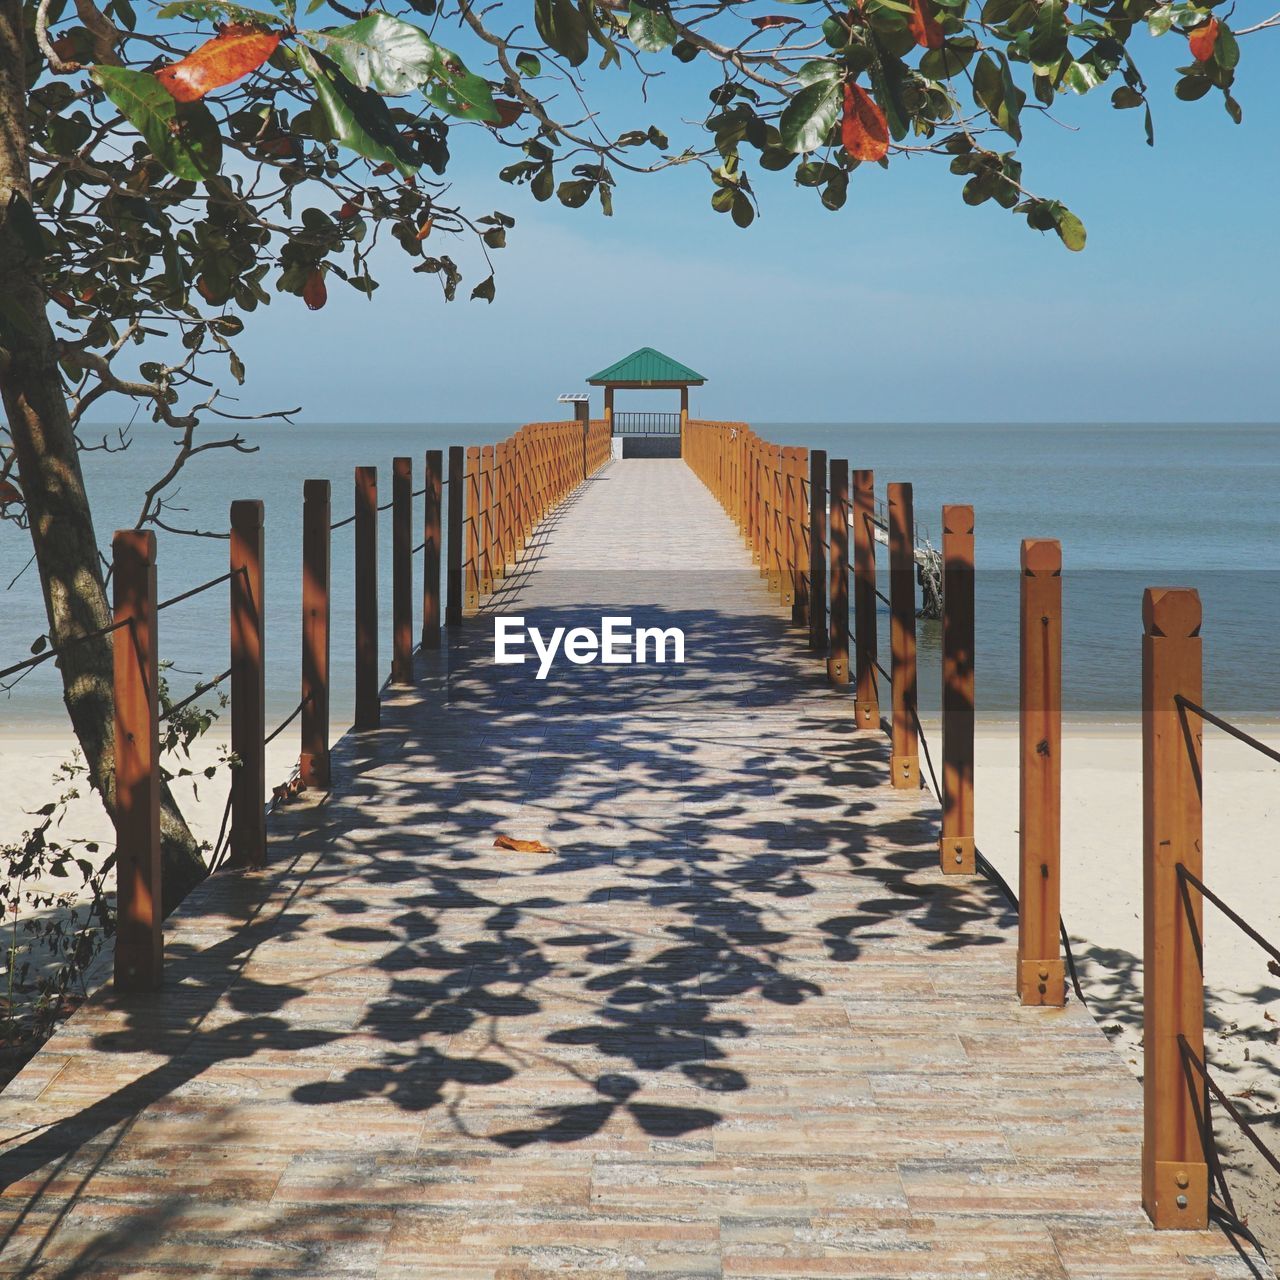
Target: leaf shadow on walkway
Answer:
[[395, 972]]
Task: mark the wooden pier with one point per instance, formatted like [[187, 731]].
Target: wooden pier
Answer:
[[736, 1022]]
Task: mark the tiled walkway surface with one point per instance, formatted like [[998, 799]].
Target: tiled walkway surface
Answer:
[[734, 1025]]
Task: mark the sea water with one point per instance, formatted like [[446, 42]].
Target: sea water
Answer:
[[1133, 506]]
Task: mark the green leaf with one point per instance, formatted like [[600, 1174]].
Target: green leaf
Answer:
[[1125, 97], [993, 88], [1233, 108], [1080, 77], [183, 137], [381, 52], [528, 65], [819, 69], [810, 116], [394, 57], [217, 11], [886, 74], [950, 60], [357, 118], [22, 219], [1226, 52], [1071, 230], [543, 184], [564, 27], [1049, 34], [776, 158], [742, 211], [575, 193], [1159, 21], [483, 291], [836, 192], [650, 29], [1192, 88]]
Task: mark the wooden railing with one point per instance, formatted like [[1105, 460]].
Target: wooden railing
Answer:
[[497, 495], [793, 541], [1180, 1161]]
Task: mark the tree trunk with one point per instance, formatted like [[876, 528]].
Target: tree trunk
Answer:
[[57, 506]]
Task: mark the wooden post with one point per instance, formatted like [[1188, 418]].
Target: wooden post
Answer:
[[1040, 977], [865, 625], [955, 848], [368, 702], [801, 547], [838, 630], [817, 551], [471, 593], [402, 571], [139, 956], [247, 845], [453, 603], [608, 408], [904, 761], [1175, 1184], [501, 510], [789, 516], [313, 759], [777, 525], [486, 521], [520, 489], [431, 551]]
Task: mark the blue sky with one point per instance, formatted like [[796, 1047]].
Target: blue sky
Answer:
[[905, 306]]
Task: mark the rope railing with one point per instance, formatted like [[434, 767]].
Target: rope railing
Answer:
[[1239, 921], [491, 501], [1227, 727], [198, 692], [287, 721], [1180, 663], [55, 651], [195, 591]]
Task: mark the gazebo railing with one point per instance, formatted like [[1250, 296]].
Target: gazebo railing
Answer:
[[646, 424]]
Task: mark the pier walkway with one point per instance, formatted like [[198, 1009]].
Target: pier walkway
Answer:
[[734, 1024]]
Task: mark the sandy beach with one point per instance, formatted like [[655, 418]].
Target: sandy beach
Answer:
[[1102, 893]]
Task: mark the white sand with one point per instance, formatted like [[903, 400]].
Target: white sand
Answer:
[[29, 761]]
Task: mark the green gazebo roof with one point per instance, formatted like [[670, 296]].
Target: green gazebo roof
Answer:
[[646, 368]]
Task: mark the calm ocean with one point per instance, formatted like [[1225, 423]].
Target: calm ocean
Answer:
[[1133, 506]]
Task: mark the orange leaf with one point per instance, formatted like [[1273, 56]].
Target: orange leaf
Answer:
[[925, 26], [863, 129], [425, 230], [521, 846], [315, 293], [1203, 40], [233, 52], [773, 20]]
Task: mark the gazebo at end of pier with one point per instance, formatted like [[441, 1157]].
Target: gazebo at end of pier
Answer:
[[647, 369]]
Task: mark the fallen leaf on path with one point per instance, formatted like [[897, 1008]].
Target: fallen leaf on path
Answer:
[[521, 846]]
